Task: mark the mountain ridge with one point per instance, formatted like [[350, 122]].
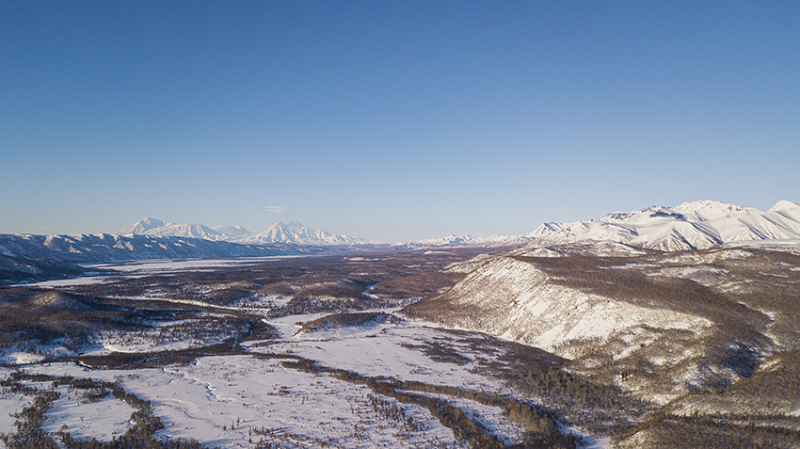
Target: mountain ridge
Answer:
[[294, 232], [688, 226], [696, 224], [27, 257]]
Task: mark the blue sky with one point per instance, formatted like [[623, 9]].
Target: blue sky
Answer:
[[391, 120]]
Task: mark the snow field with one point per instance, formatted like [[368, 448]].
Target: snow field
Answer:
[[161, 266], [102, 420], [220, 400], [379, 351], [9, 404], [142, 268]]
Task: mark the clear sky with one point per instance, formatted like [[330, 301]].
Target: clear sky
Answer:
[[391, 120]]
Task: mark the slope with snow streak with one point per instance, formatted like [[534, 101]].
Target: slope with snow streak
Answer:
[[514, 300]]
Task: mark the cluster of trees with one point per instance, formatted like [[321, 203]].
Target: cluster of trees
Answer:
[[338, 320], [439, 352], [394, 412], [664, 430]]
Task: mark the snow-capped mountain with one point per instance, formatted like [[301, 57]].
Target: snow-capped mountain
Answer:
[[141, 226], [278, 232], [292, 232], [295, 232], [87, 248], [156, 227], [234, 232], [692, 225]]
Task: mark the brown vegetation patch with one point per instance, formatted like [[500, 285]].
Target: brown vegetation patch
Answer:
[[339, 320]]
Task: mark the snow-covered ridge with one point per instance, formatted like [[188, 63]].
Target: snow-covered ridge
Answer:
[[293, 232], [692, 225]]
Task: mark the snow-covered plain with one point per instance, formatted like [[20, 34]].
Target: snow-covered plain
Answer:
[[382, 350], [171, 336], [101, 419], [160, 266], [122, 271], [227, 400], [220, 400]]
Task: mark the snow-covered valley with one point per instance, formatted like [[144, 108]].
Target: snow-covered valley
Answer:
[[247, 355]]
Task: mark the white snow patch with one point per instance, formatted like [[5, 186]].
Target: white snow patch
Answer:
[[20, 358], [102, 420]]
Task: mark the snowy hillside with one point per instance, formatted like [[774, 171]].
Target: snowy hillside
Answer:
[[693, 225], [698, 319], [517, 301]]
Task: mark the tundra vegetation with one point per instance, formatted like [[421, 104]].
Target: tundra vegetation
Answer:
[[376, 349]]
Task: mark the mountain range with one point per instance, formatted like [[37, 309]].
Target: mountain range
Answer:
[[692, 225], [27, 258], [293, 232]]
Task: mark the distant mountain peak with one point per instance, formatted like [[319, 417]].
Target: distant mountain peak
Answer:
[[711, 206], [152, 221], [141, 226], [783, 205], [295, 226]]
